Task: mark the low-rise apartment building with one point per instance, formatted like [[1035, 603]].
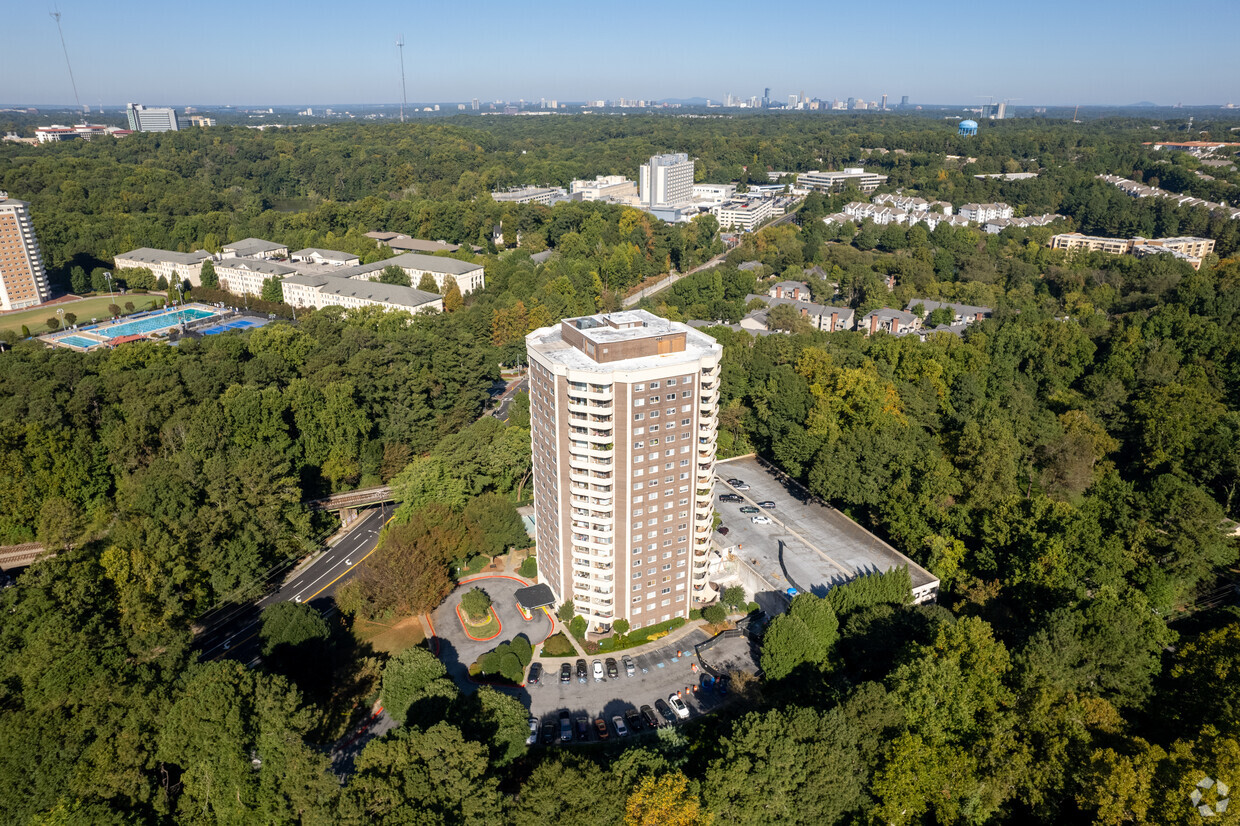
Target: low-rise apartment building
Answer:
[[961, 313], [319, 291], [820, 316], [1186, 248], [335, 258], [467, 276], [254, 248], [245, 276], [176, 267], [997, 225], [744, 215], [981, 213], [795, 290], [886, 320]]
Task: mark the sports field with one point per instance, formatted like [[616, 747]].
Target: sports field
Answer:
[[85, 309]]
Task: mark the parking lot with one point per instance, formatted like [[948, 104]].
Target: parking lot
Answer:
[[808, 545], [660, 672]]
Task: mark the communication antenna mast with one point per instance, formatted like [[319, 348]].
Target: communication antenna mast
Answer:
[[56, 16], [400, 45]]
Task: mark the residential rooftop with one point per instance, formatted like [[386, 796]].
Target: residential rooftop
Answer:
[[639, 339], [369, 290], [251, 246], [154, 256], [412, 261]]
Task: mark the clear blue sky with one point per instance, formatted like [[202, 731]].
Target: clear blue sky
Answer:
[[231, 52]]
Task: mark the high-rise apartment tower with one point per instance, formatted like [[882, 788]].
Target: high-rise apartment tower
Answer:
[[624, 412], [23, 282], [666, 181]]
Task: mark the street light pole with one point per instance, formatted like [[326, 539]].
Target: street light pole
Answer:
[[108, 276]]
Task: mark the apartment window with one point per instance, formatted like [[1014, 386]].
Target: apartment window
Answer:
[[654, 428], [680, 563], [639, 471], [654, 414], [636, 600], [654, 442], [639, 431], [683, 502], [637, 525], [639, 402], [669, 438], [684, 394], [667, 506], [652, 534], [683, 514], [637, 417], [653, 546], [683, 526], [685, 449], [668, 566], [667, 517], [639, 511], [651, 572], [638, 446], [638, 485], [680, 575], [684, 422], [654, 385], [653, 456], [651, 522], [666, 542], [684, 408], [666, 591], [639, 387], [671, 382], [684, 475], [637, 499], [637, 575], [671, 451]]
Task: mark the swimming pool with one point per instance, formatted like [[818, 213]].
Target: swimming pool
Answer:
[[79, 341], [155, 322]]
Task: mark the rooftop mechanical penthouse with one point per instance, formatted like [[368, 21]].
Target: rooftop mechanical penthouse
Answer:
[[623, 415]]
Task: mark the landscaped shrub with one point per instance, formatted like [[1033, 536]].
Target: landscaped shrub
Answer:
[[476, 603], [529, 567], [734, 597], [621, 626], [522, 648], [578, 627], [751, 607], [557, 645], [695, 614], [488, 663], [714, 614], [510, 668]]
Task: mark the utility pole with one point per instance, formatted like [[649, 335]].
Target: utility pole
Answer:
[[400, 45], [56, 16]]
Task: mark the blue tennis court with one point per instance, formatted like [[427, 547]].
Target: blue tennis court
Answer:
[[235, 324]]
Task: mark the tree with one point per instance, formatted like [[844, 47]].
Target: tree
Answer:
[[273, 291], [70, 319], [787, 318], [452, 300], [53, 323], [552, 794], [162, 283], [665, 801], [734, 597], [501, 722], [60, 523], [577, 627], [714, 614], [494, 524], [940, 315], [427, 283], [566, 612], [415, 679], [292, 625], [129, 306], [114, 309], [393, 274], [206, 276], [620, 626], [409, 571], [804, 635], [476, 604], [79, 282]]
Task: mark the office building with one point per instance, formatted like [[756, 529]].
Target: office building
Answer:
[[666, 181], [884, 106], [545, 195], [903, 101], [151, 118], [623, 417], [840, 181], [201, 121], [615, 188], [23, 281], [744, 214]]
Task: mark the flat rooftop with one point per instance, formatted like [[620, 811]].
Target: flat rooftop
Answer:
[[626, 333], [809, 545]]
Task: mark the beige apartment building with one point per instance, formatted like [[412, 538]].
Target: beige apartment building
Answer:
[[1184, 247], [23, 282], [624, 415]]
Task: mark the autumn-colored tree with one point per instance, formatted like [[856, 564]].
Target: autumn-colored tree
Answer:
[[665, 801], [452, 300]]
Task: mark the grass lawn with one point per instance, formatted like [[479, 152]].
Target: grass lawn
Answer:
[[393, 639], [484, 630], [85, 309]]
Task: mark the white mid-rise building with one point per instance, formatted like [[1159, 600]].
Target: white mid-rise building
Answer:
[[840, 181], [545, 195], [616, 188], [176, 267], [245, 276], [467, 277], [319, 291], [151, 118], [666, 181], [744, 215], [623, 419]]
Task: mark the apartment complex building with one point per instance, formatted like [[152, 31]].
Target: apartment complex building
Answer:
[[623, 416], [319, 291], [467, 277], [1186, 248], [744, 214], [666, 181], [545, 195], [176, 267], [245, 276], [840, 181], [981, 213], [23, 281]]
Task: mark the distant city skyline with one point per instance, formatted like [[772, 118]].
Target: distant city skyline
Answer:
[[1067, 53]]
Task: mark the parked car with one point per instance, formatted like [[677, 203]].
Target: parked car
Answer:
[[533, 738], [581, 671], [768, 504], [583, 729], [749, 509], [548, 731], [723, 530], [741, 486], [535, 674], [761, 520], [648, 715], [566, 727], [600, 728], [630, 667], [792, 592], [735, 482], [618, 722], [731, 497], [612, 670], [723, 684], [634, 718], [566, 673], [598, 671], [664, 709], [678, 706]]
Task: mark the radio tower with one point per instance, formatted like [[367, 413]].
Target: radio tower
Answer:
[[56, 16], [400, 45]]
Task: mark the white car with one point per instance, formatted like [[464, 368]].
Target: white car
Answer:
[[621, 729], [761, 520], [533, 738], [598, 671], [678, 706]]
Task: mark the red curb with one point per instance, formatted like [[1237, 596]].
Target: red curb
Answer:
[[465, 627], [522, 580]]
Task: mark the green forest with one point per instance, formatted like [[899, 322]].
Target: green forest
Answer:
[[1069, 469]]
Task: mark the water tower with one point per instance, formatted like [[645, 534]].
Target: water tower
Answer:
[[968, 128]]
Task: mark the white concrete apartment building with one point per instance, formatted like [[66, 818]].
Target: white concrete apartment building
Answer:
[[319, 291], [744, 215], [839, 181], [23, 280], [176, 267], [468, 277], [981, 213], [334, 258], [624, 415], [254, 248], [245, 276], [546, 195], [666, 180]]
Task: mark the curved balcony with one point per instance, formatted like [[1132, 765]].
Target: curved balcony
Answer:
[[595, 395], [603, 437]]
